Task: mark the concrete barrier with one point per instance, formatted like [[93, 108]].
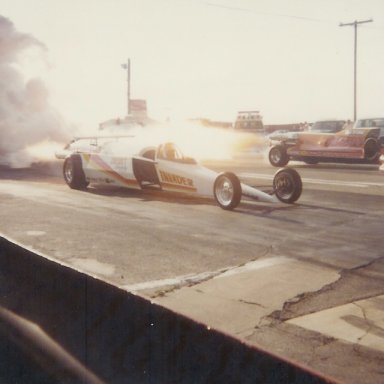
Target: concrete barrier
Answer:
[[123, 338]]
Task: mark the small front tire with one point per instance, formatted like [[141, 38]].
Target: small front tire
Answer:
[[73, 173], [278, 156], [227, 190], [287, 185]]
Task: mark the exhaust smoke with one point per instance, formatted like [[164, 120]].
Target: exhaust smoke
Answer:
[[26, 117]]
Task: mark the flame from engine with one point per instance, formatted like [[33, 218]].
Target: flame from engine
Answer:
[[205, 143], [194, 139]]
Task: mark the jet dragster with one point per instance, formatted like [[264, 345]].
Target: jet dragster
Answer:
[[127, 162]]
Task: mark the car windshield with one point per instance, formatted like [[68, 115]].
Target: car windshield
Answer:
[[327, 126]]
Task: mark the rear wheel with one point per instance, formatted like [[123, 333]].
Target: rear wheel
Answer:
[[278, 156], [73, 173], [372, 150], [227, 190], [287, 185]]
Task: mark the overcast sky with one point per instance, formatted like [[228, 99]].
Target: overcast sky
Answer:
[[289, 59]]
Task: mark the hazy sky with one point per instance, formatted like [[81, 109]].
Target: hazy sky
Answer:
[[289, 59]]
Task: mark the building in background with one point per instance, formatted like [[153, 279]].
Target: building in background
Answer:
[[249, 121], [138, 116]]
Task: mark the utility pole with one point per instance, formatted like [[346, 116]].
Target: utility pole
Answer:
[[128, 68], [355, 24]]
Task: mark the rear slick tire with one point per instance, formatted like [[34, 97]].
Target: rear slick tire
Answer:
[[227, 190], [73, 173], [287, 185]]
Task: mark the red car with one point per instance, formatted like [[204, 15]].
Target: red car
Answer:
[[347, 146]]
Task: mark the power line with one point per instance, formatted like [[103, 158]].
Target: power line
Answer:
[[274, 14], [249, 10]]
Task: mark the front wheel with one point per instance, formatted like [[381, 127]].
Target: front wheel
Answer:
[[278, 156], [287, 185], [227, 190], [73, 173]]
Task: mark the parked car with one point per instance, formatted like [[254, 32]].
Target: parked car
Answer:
[[372, 123]]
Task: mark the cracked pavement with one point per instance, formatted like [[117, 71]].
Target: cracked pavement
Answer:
[[274, 317]]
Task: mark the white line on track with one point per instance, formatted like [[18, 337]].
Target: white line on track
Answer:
[[360, 184], [197, 278]]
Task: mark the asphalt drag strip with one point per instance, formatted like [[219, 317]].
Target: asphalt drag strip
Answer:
[[308, 180]]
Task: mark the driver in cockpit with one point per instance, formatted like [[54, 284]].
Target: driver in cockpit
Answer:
[[170, 151]]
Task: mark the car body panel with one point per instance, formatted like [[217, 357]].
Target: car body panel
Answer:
[[102, 168], [329, 145], [172, 176]]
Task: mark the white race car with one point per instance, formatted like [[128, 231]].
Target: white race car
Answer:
[[127, 162]]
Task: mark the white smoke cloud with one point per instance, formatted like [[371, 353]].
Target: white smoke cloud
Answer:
[[26, 117]]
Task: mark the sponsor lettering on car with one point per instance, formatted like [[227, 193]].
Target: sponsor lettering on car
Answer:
[[177, 181]]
